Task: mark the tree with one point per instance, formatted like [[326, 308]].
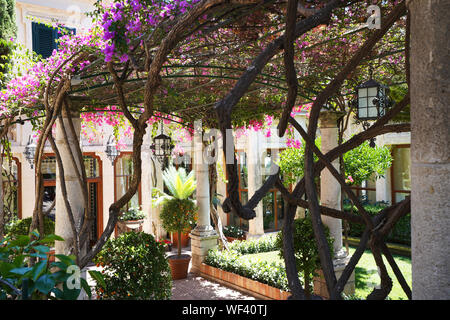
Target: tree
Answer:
[[8, 30], [179, 211], [366, 163]]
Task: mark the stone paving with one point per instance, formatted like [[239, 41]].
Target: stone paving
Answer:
[[198, 288]]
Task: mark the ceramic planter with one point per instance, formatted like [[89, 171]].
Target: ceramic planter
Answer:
[[129, 225]]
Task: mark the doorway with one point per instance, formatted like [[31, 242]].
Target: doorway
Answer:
[[93, 167]]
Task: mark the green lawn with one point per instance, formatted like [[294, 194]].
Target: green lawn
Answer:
[[366, 275]]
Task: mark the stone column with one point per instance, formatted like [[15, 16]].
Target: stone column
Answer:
[[330, 194], [147, 185], [254, 152], [430, 155], [330, 189], [203, 237], [221, 184], [74, 192]]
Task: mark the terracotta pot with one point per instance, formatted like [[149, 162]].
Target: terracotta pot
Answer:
[[179, 266], [184, 239]]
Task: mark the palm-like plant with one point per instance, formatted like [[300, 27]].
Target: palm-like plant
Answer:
[[178, 210]]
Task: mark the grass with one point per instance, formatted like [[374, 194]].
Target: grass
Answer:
[[366, 274]]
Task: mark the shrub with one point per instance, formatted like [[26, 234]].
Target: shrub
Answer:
[[43, 280], [305, 250], [263, 244], [273, 274], [134, 267], [401, 233], [233, 232], [21, 227]]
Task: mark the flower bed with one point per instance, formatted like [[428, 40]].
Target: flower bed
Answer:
[[245, 283], [270, 274]]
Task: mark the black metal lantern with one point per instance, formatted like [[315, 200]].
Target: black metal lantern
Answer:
[[111, 149], [162, 147], [372, 100], [30, 151]]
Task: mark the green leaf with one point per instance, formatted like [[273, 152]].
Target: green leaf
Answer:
[[45, 283], [50, 238], [86, 287], [70, 294], [67, 260], [21, 271], [41, 249], [20, 241], [98, 277], [38, 269]]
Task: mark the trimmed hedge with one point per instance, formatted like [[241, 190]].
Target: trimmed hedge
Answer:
[[401, 233], [272, 274], [263, 244]]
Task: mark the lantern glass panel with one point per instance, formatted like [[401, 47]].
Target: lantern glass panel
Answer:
[[372, 112], [362, 113], [372, 92], [362, 92]]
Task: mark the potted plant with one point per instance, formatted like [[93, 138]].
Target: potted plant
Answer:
[[233, 233], [131, 220], [178, 212]]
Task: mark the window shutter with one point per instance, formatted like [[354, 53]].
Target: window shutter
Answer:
[[44, 39]]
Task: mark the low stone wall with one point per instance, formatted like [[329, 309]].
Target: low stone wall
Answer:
[[261, 290]]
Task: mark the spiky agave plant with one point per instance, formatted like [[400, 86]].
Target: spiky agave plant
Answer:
[[178, 211]]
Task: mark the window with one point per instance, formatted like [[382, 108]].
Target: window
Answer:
[[243, 190], [366, 191], [400, 173], [11, 187], [93, 174], [273, 202], [44, 39], [123, 168]]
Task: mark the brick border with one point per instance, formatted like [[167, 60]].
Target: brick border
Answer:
[[245, 284]]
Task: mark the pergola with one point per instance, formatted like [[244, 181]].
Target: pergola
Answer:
[[232, 74]]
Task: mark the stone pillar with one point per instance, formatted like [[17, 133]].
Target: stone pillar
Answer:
[[74, 192], [147, 185], [221, 184], [203, 237], [28, 187], [254, 152], [330, 194], [330, 189], [430, 140]]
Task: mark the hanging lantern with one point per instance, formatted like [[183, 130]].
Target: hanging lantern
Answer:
[[111, 149], [30, 151], [162, 147], [372, 100]]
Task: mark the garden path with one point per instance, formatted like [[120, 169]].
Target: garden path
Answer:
[[195, 287]]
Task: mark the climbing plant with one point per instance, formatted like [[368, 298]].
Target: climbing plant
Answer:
[[230, 63]]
